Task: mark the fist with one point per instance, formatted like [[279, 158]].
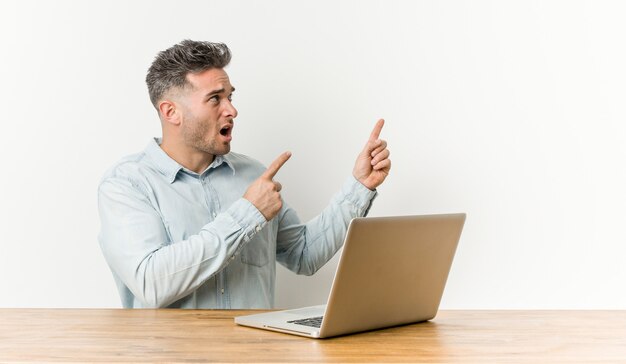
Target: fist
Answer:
[[264, 192]]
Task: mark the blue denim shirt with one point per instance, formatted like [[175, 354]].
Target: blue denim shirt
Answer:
[[175, 238]]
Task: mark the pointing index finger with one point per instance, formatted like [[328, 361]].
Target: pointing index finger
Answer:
[[271, 171], [377, 128]]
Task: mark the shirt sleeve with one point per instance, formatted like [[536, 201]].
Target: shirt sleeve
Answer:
[[305, 248], [136, 245]]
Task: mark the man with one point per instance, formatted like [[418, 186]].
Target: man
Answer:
[[186, 223]]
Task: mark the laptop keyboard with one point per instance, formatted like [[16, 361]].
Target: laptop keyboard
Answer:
[[312, 321]]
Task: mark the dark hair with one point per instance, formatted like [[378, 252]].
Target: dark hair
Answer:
[[171, 66]]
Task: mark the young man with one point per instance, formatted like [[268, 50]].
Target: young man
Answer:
[[186, 223]]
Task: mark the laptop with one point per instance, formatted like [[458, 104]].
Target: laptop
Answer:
[[392, 271]]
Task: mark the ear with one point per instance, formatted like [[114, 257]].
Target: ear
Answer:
[[169, 112]]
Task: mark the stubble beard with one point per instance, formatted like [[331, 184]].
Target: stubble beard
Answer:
[[195, 136]]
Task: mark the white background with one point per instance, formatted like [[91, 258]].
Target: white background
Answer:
[[510, 111]]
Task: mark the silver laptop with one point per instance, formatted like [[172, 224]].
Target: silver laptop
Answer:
[[392, 271]]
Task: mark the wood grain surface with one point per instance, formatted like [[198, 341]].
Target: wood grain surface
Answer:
[[195, 336]]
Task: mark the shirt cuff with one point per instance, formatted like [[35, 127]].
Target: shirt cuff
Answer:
[[247, 216], [358, 195]]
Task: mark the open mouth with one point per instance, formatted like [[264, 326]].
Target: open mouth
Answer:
[[226, 130]]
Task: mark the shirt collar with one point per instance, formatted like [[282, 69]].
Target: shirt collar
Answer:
[[170, 168], [219, 159]]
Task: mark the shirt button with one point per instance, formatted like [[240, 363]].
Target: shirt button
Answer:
[[215, 214], [258, 228]]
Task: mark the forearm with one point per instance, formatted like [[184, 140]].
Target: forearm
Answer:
[[305, 248]]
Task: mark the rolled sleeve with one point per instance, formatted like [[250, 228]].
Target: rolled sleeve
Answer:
[[358, 195], [248, 217]]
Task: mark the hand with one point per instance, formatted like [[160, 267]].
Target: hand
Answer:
[[373, 164], [264, 192]]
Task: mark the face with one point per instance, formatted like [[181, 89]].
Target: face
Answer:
[[207, 112]]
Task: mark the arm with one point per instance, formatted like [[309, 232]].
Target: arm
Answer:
[[305, 248], [158, 271]]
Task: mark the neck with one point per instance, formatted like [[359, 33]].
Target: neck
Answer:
[[188, 157]]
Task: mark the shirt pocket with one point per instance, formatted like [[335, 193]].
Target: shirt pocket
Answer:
[[257, 251]]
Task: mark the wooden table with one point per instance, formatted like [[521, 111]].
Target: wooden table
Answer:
[[116, 335]]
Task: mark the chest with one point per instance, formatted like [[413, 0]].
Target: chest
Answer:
[[187, 205]]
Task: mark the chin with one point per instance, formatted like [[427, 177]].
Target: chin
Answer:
[[224, 150]]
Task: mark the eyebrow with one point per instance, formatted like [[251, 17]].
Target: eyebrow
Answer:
[[218, 91]]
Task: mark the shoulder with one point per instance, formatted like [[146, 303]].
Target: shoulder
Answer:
[[133, 171], [130, 166]]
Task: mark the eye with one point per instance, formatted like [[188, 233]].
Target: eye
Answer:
[[230, 97], [215, 99]]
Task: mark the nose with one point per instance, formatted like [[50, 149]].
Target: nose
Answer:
[[229, 110]]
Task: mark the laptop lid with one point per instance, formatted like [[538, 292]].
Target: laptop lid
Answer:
[[392, 271]]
